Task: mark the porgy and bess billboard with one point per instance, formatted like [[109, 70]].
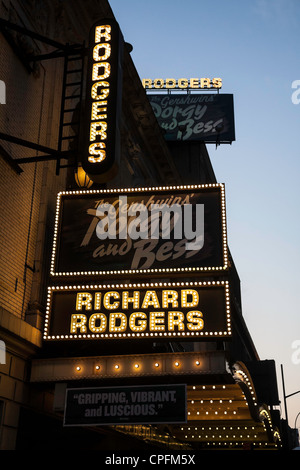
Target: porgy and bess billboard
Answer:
[[140, 231], [101, 235], [195, 117]]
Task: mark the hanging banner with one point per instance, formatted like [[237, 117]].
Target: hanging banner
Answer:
[[195, 117], [191, 310], [140, 231], [126, 405], [100, 158]]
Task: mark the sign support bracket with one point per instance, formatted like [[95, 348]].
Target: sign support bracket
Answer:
[[70, 52]]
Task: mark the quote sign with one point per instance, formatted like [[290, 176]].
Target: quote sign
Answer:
[[182, 310], [140, 230], [195, 117], [125, 405]]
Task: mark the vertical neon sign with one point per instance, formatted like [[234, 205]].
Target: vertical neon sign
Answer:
[[101, 154]]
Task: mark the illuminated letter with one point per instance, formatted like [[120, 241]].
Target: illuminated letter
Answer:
[[217, 82], [96, 109], [195, 317], [105, 74], [99, 34], [94, 130], [102, 323], [106, 54], [158, 83], [170, 83], [138, 321], [150, 299], [97, 150], [156, 318], [184, 295], [105, 91], [169, 297], [135, 299], [78, 321], [175, 318], [194, 83], [121, 317], [183, 83], [97, 300], [204, 83], [147, 82], [106, 300], [84, 298]]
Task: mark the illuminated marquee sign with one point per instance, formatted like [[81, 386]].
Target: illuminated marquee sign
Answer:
[[117, 232], [182, 83], [190, 310], [103, 101]]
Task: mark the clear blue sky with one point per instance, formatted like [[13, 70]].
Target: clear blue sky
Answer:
[[254, 47]]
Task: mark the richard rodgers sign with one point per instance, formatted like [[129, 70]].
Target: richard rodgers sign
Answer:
[[140, 230], [140, 311]]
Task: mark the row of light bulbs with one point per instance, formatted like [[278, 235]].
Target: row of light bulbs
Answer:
[[136, 365]]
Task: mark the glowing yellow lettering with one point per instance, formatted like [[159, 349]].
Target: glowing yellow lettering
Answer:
[[98, 128], [147, 82], [98, 323], [156, 320], [97, 152], [104, 93], [195, 319], [102, 31], [205, 83], [185, 293], [84, 299], [97, 109], [117, 318], [97, 49], [194, 83], [106, 300], [78, 322], [175, 318], [96, 75], [138, 321]]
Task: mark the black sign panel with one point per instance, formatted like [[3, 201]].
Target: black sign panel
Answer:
[[185, 310], [100, 158], [125, 405], [195, 117], [80, 248]]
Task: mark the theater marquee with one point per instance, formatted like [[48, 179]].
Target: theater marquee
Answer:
[[178, 229], [182, 310]]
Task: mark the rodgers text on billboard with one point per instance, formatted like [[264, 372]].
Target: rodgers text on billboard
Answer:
[[155, 310], [140, 230], [195, 117]]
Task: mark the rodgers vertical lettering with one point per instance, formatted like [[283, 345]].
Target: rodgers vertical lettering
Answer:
[[103, 98]]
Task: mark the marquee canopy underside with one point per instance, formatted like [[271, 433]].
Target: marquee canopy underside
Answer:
[[222, 407]]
